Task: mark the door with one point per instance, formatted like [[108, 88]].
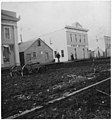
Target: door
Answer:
[[83, 53], [75, 53], [46, 56], [22, 61], [6, 56], [28, 58]]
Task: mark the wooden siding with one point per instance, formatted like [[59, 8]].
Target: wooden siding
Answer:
[[43, 53]]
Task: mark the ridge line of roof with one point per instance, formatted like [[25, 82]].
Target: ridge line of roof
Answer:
[[72, 27], [32, 41]]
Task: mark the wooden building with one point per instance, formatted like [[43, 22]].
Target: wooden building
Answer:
[[35, 51]]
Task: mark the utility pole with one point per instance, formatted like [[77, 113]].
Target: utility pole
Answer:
[[21, 38], [97, 47]]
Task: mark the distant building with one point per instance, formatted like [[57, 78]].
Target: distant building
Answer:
[[98, 52], [71, 41], [107, 41], [35, 51], [9, 39], [91, 53]]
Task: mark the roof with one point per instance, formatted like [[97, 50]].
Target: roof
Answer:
[[76, 26], [98, 49], [107, 37], [9, 15], [25, 45]]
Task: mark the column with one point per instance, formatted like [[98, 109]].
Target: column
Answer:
[[17, 59]]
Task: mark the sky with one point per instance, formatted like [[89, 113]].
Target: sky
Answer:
[[38, 18]]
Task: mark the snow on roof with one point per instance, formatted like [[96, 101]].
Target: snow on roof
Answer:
[[25, 45]]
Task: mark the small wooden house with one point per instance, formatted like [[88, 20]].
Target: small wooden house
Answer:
[[35, 51]]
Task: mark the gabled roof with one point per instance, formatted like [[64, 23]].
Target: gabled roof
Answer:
[[76, 26], [25, 45], [9, 15], [107, 37], [98, 49]]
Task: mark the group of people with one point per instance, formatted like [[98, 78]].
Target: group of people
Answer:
[[58, 57]]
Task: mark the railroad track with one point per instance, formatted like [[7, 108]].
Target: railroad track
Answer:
[[63, 97]]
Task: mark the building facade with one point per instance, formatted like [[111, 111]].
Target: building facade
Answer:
[[9, 39], [71, 41], [98, 52], [107, 41], [35, 51]]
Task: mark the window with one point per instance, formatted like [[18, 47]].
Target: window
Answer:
[[12, 47], [55, 52], [62, 53], [28, 57], [80, 38], [71, 37], [41, 52], [34, 54], [84, 38], [7, 33], [6, 54], [75, 37], [38, 43], [47, 55]]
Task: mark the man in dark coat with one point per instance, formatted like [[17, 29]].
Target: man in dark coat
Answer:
[[58, 56]]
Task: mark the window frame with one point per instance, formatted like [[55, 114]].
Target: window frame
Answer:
[[33, 55], [38, 43], [76, 37], [80, 38], [6, 59], [62, 53], [71, 37], [55, 52], [28, 57], [6, 27], [84, 39]]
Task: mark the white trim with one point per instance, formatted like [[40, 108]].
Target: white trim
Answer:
[[69, 46], [9, 24], [4, 27]]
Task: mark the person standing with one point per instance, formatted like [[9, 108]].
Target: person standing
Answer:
[[58, 57]]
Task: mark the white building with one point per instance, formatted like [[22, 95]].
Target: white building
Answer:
[[98, 52], [9, 39], [67, 41], [107, 41]]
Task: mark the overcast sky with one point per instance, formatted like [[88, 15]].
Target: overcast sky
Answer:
[[38, 18]]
